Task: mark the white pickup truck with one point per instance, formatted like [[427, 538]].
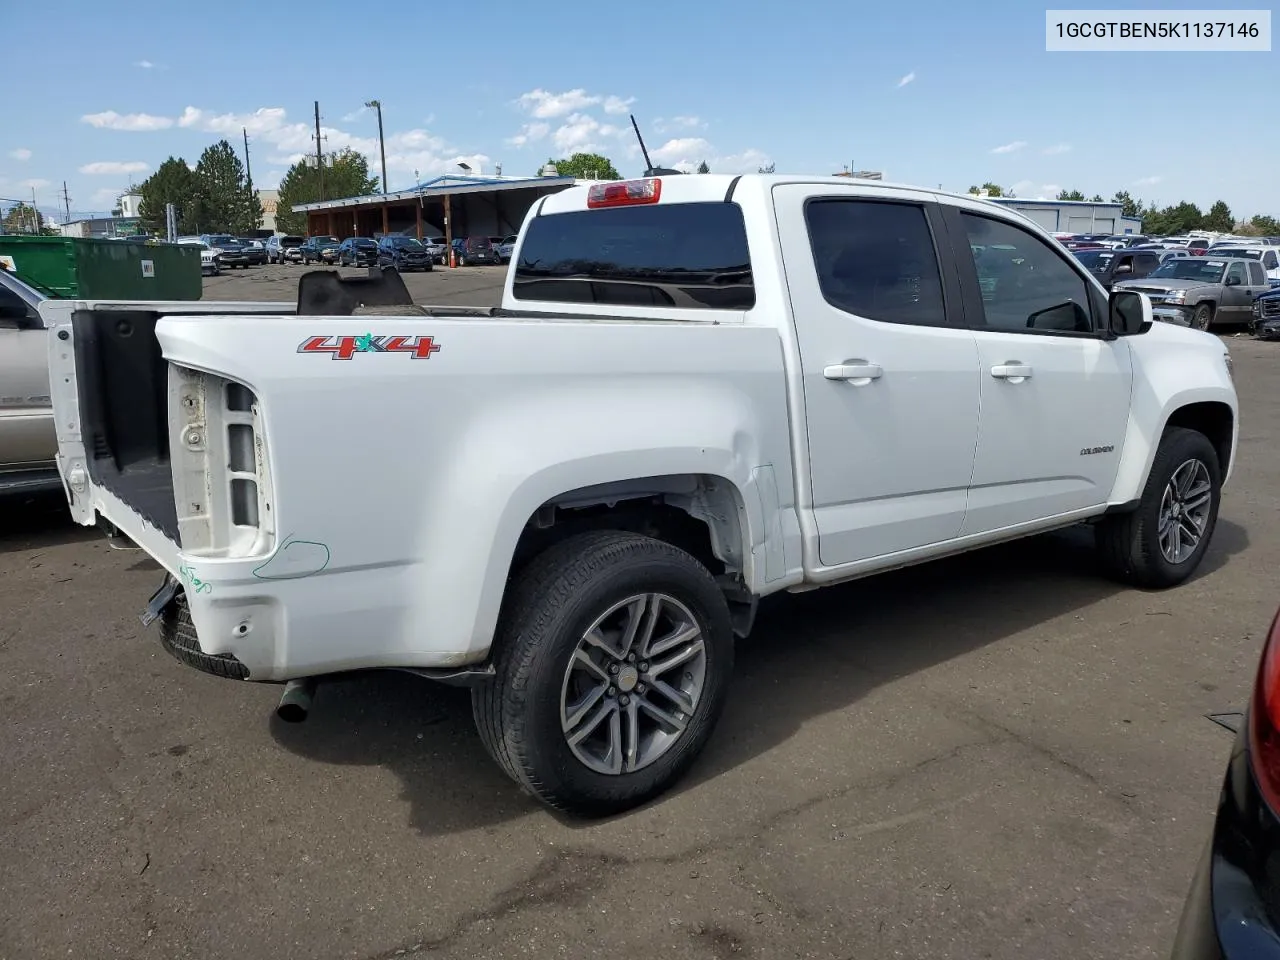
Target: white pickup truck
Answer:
[[698, 391]]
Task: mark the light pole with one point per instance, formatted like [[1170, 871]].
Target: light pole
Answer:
[[382, 144]]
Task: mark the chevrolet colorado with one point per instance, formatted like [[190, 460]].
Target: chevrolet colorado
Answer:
[[698, 391]]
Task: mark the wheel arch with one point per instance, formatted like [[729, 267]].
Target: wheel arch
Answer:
[[1207, 411]]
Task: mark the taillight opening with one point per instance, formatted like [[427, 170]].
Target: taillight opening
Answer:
[[1264, 720], [626, 193]]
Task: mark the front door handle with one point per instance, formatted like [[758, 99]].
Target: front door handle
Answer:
[[1013, 372], [856, 372]]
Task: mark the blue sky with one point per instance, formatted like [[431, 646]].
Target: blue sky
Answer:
[[931, 93]]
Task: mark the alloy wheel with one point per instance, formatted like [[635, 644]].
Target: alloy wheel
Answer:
[[1184, 511]]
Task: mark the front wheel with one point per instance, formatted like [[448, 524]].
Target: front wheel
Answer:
[[1202, 318], [1161, 543], [612, 664]]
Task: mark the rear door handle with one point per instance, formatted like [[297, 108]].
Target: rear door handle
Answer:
[[853, 372], [1015, 372]]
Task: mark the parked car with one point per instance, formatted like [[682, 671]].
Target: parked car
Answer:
[[1202, 291], [1266, 315], [358, 252], [255, 250], [572, 536], [438, 248], [284, 249], [1232, 911], [506, 248], [403, 253], [320, 249], [210, 264], [1111, 265], [474, 250], [1266, 255], [28, 444], [231, 252], [1122, 240]]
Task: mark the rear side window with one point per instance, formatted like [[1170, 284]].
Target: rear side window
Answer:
[[1257, 275], [683, 255], [1269, 261], [876, 260]]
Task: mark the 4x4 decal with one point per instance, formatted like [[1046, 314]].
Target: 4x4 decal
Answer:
[[344, 348]]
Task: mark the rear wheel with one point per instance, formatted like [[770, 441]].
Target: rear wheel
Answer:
[[612, 664], [1161, 543], [1202, 318]]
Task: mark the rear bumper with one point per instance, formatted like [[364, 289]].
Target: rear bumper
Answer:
[[1230, 912]]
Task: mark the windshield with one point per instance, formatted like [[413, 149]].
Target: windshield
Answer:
[[1237, 252], [1095, 261], [1190, 268], [406, 243], [222, 240], [323, 241], [291, 241], [363, 242]]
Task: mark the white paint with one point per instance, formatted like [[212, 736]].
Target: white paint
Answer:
[[407, 481]]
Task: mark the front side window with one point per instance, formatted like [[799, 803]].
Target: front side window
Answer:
[[1026, 287], [876, 260], [1235, 274], [679, 255]]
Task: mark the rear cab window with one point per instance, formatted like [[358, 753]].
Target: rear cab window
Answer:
[[681, 255]]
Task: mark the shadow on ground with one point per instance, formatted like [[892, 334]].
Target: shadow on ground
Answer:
[[37, 520], [810, 654]]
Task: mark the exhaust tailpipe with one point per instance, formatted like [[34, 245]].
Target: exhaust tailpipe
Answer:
[[295, 702]]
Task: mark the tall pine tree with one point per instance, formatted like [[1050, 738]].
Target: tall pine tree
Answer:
[[229, 205]]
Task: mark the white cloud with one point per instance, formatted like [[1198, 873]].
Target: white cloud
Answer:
[[104, 196], [36, 184], [263, 120], [530, 133], [1147, 181], [685, 153], [354, 115], [21, 153], [1022, 186], [113, 167], [144, 64], [618, 104], [134, 122], [543, 104], [674, 124], [1056, 149], [1050, 189], [577, 134], [910, 77], [1013, 147]]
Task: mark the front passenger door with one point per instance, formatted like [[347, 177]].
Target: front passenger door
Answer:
[[1237, 303], [1055, 390]]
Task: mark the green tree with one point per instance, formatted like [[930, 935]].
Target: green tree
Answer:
[[703, 168], [1173, 219], [1219, 218], [993, 189], [173, 182], [587, 166], [1097, 198], [1265, 225], [23, 218], [346, 174], [1132, 208], [1070, 195], [767, 169], [230, 205]]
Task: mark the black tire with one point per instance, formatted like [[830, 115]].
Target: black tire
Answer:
[[548, 608], [1202, 318], [1129, 543]]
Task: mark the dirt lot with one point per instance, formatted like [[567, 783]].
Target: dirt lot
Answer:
[[1000, 756]]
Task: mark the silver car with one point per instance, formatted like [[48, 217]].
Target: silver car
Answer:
[[1200, 292], [27, 439]]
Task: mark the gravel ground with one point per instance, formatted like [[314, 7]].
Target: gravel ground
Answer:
[[998, 756]]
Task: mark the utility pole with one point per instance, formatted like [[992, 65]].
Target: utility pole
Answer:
[[382, 144], [66, 202], [35, 213], [319, 156], [248, 173]]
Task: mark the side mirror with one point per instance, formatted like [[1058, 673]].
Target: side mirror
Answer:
[[1129, 313], [1123, 269], [1231, 282]]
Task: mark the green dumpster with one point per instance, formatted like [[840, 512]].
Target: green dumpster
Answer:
[[104, 269]]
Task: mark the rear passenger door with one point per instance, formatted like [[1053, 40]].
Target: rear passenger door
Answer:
[[1055, 391], [890, 374]]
